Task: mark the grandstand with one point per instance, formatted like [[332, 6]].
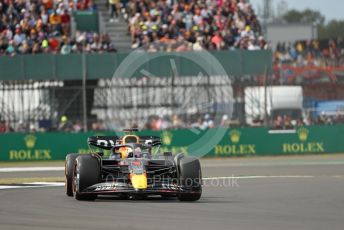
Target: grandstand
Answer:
[[33, 27], [48, 26]]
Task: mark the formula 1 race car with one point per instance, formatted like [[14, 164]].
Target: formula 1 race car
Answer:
[[132, 170]]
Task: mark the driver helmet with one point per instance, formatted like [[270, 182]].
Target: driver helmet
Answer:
[[137, 152]]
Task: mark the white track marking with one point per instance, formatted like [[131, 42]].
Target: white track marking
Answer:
[[257, 177], [13, 186], [33, 185], [31, 169], [48, 183], [263, 164]]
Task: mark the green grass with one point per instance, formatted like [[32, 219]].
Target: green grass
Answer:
[[32, 164]]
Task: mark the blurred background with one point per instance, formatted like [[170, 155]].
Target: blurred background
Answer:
[[58, 59]]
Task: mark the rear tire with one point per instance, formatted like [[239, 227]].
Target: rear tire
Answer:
[[69, 164], [190, 177], [86, 173]]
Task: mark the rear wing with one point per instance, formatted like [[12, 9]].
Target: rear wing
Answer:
[[108, 142]]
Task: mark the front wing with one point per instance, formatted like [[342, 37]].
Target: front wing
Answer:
[[119, 188]]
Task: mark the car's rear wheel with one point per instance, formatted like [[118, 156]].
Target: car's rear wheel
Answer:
[[190, 177], [69, 164], [86, 173]]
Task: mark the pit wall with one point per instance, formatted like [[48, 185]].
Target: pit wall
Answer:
[[207, 143]]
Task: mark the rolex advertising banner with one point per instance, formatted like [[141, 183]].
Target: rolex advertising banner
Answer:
[[208, 143]]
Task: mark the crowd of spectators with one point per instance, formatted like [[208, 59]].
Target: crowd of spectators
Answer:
[[156, 123], [195, 121], [213, 25], [286, 122], [44, 26], [329, 119], [319, 53], [62, 125]]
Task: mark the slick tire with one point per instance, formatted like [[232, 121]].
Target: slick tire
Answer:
[[190, 177], [86, 173], [69, 164]]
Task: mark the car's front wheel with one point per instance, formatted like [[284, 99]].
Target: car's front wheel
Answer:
[[190, 177], [69, 167], [86, 173]]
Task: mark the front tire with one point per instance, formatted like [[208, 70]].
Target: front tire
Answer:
[[69, 167], [86, 173], [190, 177]]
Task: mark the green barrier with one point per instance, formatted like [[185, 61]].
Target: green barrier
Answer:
[[70, 67], [86, 21], [235, 142]]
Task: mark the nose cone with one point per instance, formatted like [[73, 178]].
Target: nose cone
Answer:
[[139, 181]]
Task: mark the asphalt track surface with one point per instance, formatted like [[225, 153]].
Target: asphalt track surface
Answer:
[[287, 193]]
